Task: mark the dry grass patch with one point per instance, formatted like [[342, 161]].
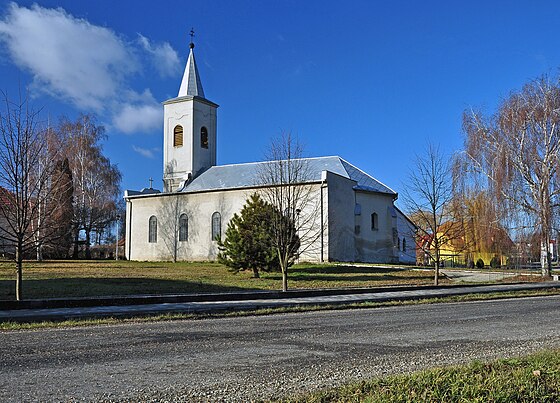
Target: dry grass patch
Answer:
[[60, 279]]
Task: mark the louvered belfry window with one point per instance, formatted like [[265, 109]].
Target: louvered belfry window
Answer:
[[178, 136], [204, 137]]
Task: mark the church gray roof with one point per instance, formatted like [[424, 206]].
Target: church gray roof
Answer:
[[191, 84], [236, 176]]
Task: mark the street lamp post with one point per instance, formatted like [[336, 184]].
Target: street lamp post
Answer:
[[117, 238]]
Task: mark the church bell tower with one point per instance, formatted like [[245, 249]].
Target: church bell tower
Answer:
[[189, 130]]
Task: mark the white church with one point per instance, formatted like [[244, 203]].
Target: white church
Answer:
[[359, 221]]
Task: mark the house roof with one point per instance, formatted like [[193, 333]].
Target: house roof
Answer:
[[236, 176]]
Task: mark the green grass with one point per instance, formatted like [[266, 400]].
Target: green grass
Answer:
[[535, 378], [60, 279]]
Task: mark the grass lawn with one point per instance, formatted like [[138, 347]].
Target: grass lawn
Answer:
[[59, 279], [535, 378]]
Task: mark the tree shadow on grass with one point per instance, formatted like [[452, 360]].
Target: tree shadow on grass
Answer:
[[356, 278], [343, 270], [98, 287]]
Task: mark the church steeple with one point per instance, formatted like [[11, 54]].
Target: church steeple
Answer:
[[191, 84], [189, 130]]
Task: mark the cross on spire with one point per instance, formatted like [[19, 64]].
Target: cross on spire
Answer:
[[191, 45], [151, 182]]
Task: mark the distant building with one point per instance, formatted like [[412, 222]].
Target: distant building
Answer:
[[107, 251], [7, 243], [359, 221], [465, 245]]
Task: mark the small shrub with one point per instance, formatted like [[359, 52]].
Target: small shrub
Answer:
[[495, 262], [480, 263], [470, 264]]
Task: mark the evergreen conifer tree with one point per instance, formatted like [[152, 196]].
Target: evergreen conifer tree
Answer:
[[248, 241], [61, 220]]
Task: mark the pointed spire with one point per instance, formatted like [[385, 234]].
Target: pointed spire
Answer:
[[191, 84]]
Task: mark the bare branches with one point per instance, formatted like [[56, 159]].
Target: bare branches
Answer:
[[26, 166], [285, 184], [428, 198], [96, 180], [170, 211], [518, 150]]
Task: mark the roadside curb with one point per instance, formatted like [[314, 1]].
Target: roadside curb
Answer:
[[53, 303], [379, 294]]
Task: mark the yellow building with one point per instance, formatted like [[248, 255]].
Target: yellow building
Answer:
[[464, 244]]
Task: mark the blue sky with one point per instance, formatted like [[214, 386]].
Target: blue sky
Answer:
[[370, 81]]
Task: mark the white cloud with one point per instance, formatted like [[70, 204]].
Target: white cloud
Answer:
[[141, 114], [164, 58], [86, 65], [67, 56], [138, 118], [146, 152]]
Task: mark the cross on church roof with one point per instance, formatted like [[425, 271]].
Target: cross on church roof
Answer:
[[151, 182], [191, 45]]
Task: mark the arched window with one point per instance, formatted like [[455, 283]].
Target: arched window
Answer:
[[152, 229], [183, 228], [216, 225], [178, 136], [204, 137], [398, 243], [404, 244], [374, 223]]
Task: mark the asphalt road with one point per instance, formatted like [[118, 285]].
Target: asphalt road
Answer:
[[239, 359]]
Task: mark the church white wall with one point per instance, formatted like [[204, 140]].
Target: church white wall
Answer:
[[167, 208], [199, 208], [342, 239], [204, 115], [177, 161], [406, 233], [310, 223], [341, 202], [192, 114], [374, 245]]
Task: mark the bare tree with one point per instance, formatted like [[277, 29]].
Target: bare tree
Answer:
[[171, 212], [518, 151], [27, 183], [428, 199], [96, 180], [286, 178]]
